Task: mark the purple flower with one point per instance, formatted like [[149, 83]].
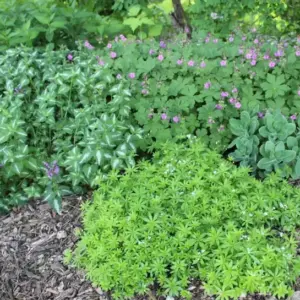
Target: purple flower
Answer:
[[101, 62], [151, 51], [223, 63], [266, 56], [279, 53], [123, 38], [179, 62], [162, 44], [244, 38], [219, 106], [164, 116], [88, 45], [119, 76], [51, 170], [176, 119], [191, 63], [260, 115], [160, 57], [207, 40], [293, 117], [253, 62], [238, 105], [70, 57], [232, 100], [224, 94], [207, 85], [241, 50], [203, 64], [297, 53], [248, 55], [186, 29], [131, 75], [215, 41], [272, 64], [109, 46], [221, 128], [113, 54], [256, 41], [145, 92], [234, 90], [231, 39]]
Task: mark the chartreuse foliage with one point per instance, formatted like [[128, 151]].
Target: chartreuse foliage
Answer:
[[190, 215], [268, 144]]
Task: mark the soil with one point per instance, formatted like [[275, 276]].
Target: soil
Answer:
[[32, 242]]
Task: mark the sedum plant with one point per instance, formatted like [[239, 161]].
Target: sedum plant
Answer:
[[190, 215]]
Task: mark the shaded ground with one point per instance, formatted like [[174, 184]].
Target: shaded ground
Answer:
[[32, 242]]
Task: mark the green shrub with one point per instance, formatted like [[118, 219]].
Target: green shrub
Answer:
[[55, 110], [190, 215], [267, 142], [49, 98]]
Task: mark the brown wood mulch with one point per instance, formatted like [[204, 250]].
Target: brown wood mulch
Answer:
[[32, 242]]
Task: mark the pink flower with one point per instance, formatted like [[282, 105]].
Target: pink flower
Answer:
[[244, 38], [234, 90], [123, 38], [151, 51], [298, 92], [164, 116], [231, 39], [293, 117], [266, 56], [203, 64], [232, 100], [207, 40], [101, 62], [219, 106], [160, 57], [113, 54], [224, 94], [279, 53], [162, 44], [109, 45], [297, 53], [70, 57], [207, 85], [256, 41], [88, 45], [176, 119], [238, 105], [131, 75], [248, 55], [223, 63], [241, 51], [253, 62], [272, 64], [191, 63], [179, 62], [215, 41], [119, 76]]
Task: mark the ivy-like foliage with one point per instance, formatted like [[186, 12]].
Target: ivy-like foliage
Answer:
[[190, 215]]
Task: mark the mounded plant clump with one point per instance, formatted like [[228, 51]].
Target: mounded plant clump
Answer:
[[191, 215]]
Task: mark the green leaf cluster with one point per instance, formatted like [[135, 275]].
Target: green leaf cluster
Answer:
[[190, 215]]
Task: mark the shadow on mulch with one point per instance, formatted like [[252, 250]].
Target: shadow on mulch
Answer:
[[32, 242]]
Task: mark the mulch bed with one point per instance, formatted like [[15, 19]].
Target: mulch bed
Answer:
[[32, 242]]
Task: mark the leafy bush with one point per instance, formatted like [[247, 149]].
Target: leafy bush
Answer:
[[169, 89], [190, 215], [53, 109], [271, 144]]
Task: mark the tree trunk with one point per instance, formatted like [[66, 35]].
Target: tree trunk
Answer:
[[181, 18]]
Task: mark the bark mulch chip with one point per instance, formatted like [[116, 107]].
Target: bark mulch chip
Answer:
[[32, 242]]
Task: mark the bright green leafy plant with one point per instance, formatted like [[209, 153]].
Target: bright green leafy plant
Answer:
[[190, 215]]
